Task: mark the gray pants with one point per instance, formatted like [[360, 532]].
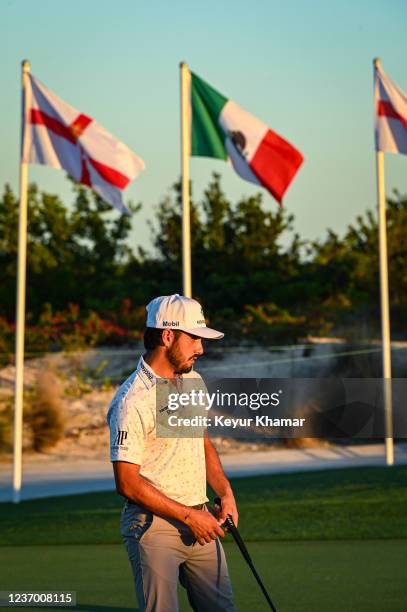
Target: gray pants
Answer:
[[161, 552]]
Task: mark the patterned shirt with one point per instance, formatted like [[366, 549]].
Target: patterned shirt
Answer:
[[176, 465]]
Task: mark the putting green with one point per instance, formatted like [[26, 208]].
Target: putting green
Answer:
[[313, 576], [352, 504]]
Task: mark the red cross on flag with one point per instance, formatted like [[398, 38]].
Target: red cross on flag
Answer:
[[56, 134], [390, 115]]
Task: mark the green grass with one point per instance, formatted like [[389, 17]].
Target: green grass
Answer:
[[366, 503], [322, 541], [301, 576]]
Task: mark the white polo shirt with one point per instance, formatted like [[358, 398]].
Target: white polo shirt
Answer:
[[174, 466]]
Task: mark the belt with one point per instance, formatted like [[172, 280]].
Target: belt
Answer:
[[196, 507]]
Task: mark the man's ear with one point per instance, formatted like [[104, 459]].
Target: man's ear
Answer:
[[167, 337]]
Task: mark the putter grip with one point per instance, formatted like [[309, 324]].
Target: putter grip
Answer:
[[228, 521]]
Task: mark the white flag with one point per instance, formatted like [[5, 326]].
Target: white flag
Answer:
[[390, 115], [56, 134]]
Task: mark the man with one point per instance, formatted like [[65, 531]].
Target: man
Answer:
[[168, 531]]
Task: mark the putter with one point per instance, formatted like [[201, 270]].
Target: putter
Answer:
[[231, 527]]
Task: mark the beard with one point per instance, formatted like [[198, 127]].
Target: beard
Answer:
[[180, 364]]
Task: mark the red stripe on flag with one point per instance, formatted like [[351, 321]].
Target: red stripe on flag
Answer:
[[38, 117], [85, 176], [110, 175], [72, 133], [275, 164], [79, 125], [386, 109]]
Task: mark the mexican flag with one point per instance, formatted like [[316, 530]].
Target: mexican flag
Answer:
[[222, 129]]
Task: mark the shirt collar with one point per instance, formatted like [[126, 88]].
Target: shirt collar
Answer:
[[149, 377], [147, 374]]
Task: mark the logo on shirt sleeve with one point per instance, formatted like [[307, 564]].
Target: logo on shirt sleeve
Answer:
[[120, 438]]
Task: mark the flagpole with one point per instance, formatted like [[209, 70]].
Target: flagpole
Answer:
[[20, 307], [384, 302], [185, 151]]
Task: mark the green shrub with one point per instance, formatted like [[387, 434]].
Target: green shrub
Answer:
[[6, 341], [74, 330], [273, 325]]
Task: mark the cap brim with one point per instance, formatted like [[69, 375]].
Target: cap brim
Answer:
[[205, 332]]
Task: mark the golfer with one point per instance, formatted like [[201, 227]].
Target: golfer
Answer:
[[168, 531]]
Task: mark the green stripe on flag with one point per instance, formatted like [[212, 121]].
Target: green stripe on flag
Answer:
[[207, 137]]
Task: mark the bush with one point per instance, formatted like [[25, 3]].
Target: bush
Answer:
[[45, 412], [6, 341], [6, 427], [74, 330], [273, 325]]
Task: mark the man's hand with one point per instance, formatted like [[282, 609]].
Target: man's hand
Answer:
[[219, 483], [228, 507], [204, 526]]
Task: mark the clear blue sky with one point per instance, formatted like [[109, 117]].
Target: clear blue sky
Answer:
[[305, 68]]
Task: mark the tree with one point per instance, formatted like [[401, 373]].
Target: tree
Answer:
[[345, 271], [235, 249], [242, 269], [8, 250], [48, 245], [71, 256], [100, 249]]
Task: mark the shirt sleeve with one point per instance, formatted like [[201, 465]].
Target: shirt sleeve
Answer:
[[128, 432]]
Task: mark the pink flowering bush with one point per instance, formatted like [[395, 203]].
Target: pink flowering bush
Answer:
[[72, 329]]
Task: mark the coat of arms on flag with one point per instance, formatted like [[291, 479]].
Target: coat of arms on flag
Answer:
[[222, 129]]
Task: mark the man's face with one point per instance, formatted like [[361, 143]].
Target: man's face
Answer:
[[184, 351]]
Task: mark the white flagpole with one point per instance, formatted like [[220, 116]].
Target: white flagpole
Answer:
[[185, 151], [384, 301], [20, 307]]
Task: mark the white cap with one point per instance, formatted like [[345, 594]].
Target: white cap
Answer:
[[179, 312]]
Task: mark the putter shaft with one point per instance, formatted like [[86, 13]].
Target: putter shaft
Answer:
[[243, 549]]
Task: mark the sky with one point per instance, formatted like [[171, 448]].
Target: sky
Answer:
[[304, 68]]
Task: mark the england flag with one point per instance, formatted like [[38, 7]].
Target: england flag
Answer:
[[390, 115], [56, 134]]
